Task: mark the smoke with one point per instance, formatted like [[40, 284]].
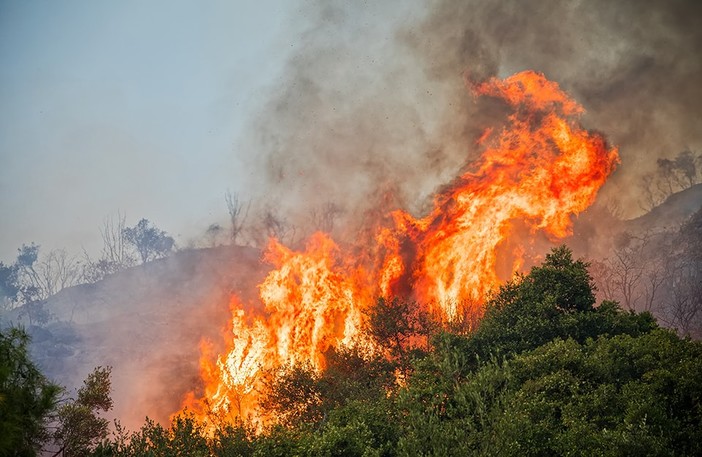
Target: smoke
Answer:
[[371, 103]]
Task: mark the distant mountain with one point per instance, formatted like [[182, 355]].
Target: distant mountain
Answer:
[[147, 323]]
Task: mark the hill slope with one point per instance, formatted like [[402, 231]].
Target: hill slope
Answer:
[[147, 323]]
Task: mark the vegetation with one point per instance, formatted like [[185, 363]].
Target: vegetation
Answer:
[[80, 429], [660, 272], [149, 241], [27, 398], [546, 372], [35, 413], [34, 276]]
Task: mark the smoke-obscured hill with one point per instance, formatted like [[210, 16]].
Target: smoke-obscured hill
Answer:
[[675, 210], [650, 263], [147, 323]]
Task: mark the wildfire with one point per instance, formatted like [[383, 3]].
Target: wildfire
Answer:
[[536, 171]]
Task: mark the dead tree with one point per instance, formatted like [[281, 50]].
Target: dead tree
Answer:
[[238, 212]]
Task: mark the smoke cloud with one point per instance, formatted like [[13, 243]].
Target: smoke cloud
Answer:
[[370, 103]]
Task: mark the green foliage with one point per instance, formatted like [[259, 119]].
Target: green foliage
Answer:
[[357, 429], [281, 441], [234, 440], [80, 428], [184, 438], [301, 395], [624, 395], [294, 396], [27, 398], [353, 376], [616, 396], [555, 300]]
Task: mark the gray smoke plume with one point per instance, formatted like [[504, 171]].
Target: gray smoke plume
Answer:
[[370, 102]]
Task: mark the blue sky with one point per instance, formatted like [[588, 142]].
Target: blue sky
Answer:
[[155, 108], [134, 106]]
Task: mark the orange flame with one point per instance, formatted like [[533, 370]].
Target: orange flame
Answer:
[[539, 169]]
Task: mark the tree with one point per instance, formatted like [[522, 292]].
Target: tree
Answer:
[[32, 291], [56, 271], [27, 398], [401, 328], [555, 300], [635, 272], [682, 292], [28, 278], [294, 396], [238, 212], [33, 278], [150, 242], [549, 373], [115, 255], [356, 429], [301, 395], [213, 233], [184, 438], [9, 288], [80, 428], [625, 395], [671, 175], [276, 226]]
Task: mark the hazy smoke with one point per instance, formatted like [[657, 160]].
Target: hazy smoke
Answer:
[[369, 102]]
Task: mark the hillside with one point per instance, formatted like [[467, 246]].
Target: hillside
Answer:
[[671, 213], [147, 323]]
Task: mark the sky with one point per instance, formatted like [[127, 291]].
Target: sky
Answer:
[[127, 106], [155, 109]]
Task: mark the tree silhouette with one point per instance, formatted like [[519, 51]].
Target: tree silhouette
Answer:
[[150, 242]]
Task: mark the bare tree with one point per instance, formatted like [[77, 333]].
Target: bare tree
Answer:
[[686, 166], [275, 226], [325, 216], [682, 307], [116, 254], [114, 245], [56, 271], [238, 212], [652, 196], [682, 304], [634, 273], [32, 279]]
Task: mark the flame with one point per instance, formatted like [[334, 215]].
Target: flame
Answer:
[[536, 171], [540, 169]]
